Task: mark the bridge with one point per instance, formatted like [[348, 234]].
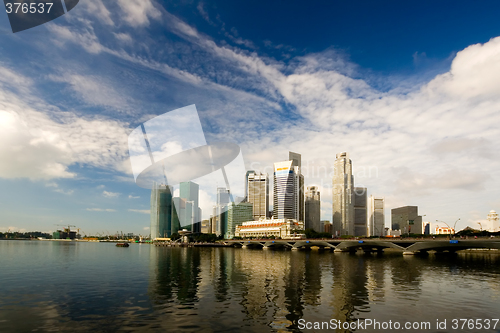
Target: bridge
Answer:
[[407, 247]]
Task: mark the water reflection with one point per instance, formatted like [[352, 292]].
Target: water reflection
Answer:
[[101, 288]]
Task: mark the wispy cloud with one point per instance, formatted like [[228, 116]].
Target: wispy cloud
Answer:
[[108, 194], [101, 210], [141, 211], [133, 197]]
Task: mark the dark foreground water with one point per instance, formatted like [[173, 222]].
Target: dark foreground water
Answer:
[[97, 287]]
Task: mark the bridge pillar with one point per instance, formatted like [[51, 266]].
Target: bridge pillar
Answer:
[[341, 250], [244, 246], [295, 248], [408, 253], [265, 247]]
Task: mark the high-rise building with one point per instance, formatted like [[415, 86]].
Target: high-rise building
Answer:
[[342, 196], [189, 191], [376, 217], [360, 212], [492, 222], [313, 209], [258, 193], [236, 215], [407, 220], [223, 200], [289, 189], [162, 210], [246, 182], [179, 215]]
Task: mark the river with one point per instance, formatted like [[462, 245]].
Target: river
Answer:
[[98, 287]]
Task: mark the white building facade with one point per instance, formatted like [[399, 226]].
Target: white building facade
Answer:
[[279, 228]]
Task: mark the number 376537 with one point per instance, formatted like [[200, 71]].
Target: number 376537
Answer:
[[32, 8]]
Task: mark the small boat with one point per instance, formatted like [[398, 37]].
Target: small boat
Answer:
[[122, 244]]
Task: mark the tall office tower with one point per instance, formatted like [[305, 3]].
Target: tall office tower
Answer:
[[360, 212], [236, 215], [223, 199], [246, 183], [161, 211], [376, 217], [342, 195], [407, 220], [179, 215], [258, 194], [189, 191], [313, 209], [289, 189]]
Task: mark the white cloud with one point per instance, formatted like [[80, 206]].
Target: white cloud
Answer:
[[93, 90], [101, 210], [138, 12], [97, 9], [39, 147], [140, 211], [145, 228], [126, 38], [31, 152], [65, 192], [133, 197], [110, 194]]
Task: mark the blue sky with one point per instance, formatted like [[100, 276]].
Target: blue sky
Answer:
[[411, 90]]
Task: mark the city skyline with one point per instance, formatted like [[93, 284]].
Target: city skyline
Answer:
[[416, 108]]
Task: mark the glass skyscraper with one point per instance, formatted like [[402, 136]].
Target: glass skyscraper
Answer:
[[162, 210], [189, 191]]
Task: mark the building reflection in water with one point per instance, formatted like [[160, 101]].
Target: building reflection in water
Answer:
[[251, 290]]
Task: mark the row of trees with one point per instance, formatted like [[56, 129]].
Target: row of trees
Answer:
[[24, 235]]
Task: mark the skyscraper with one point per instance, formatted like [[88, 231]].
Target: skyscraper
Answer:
[[342, 196], [258, 194], [189, 191], [360, 212], [223, 200], [162, 209], [313, 209], [289, 189], [376, 217]]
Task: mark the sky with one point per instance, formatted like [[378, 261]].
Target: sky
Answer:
[[410, 89]]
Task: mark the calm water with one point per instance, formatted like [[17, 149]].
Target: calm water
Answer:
[[84, 287]]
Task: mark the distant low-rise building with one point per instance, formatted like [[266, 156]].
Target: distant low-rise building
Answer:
[[444, 231], [407, 220], [279, 228], [327, 227], [205, 227]]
